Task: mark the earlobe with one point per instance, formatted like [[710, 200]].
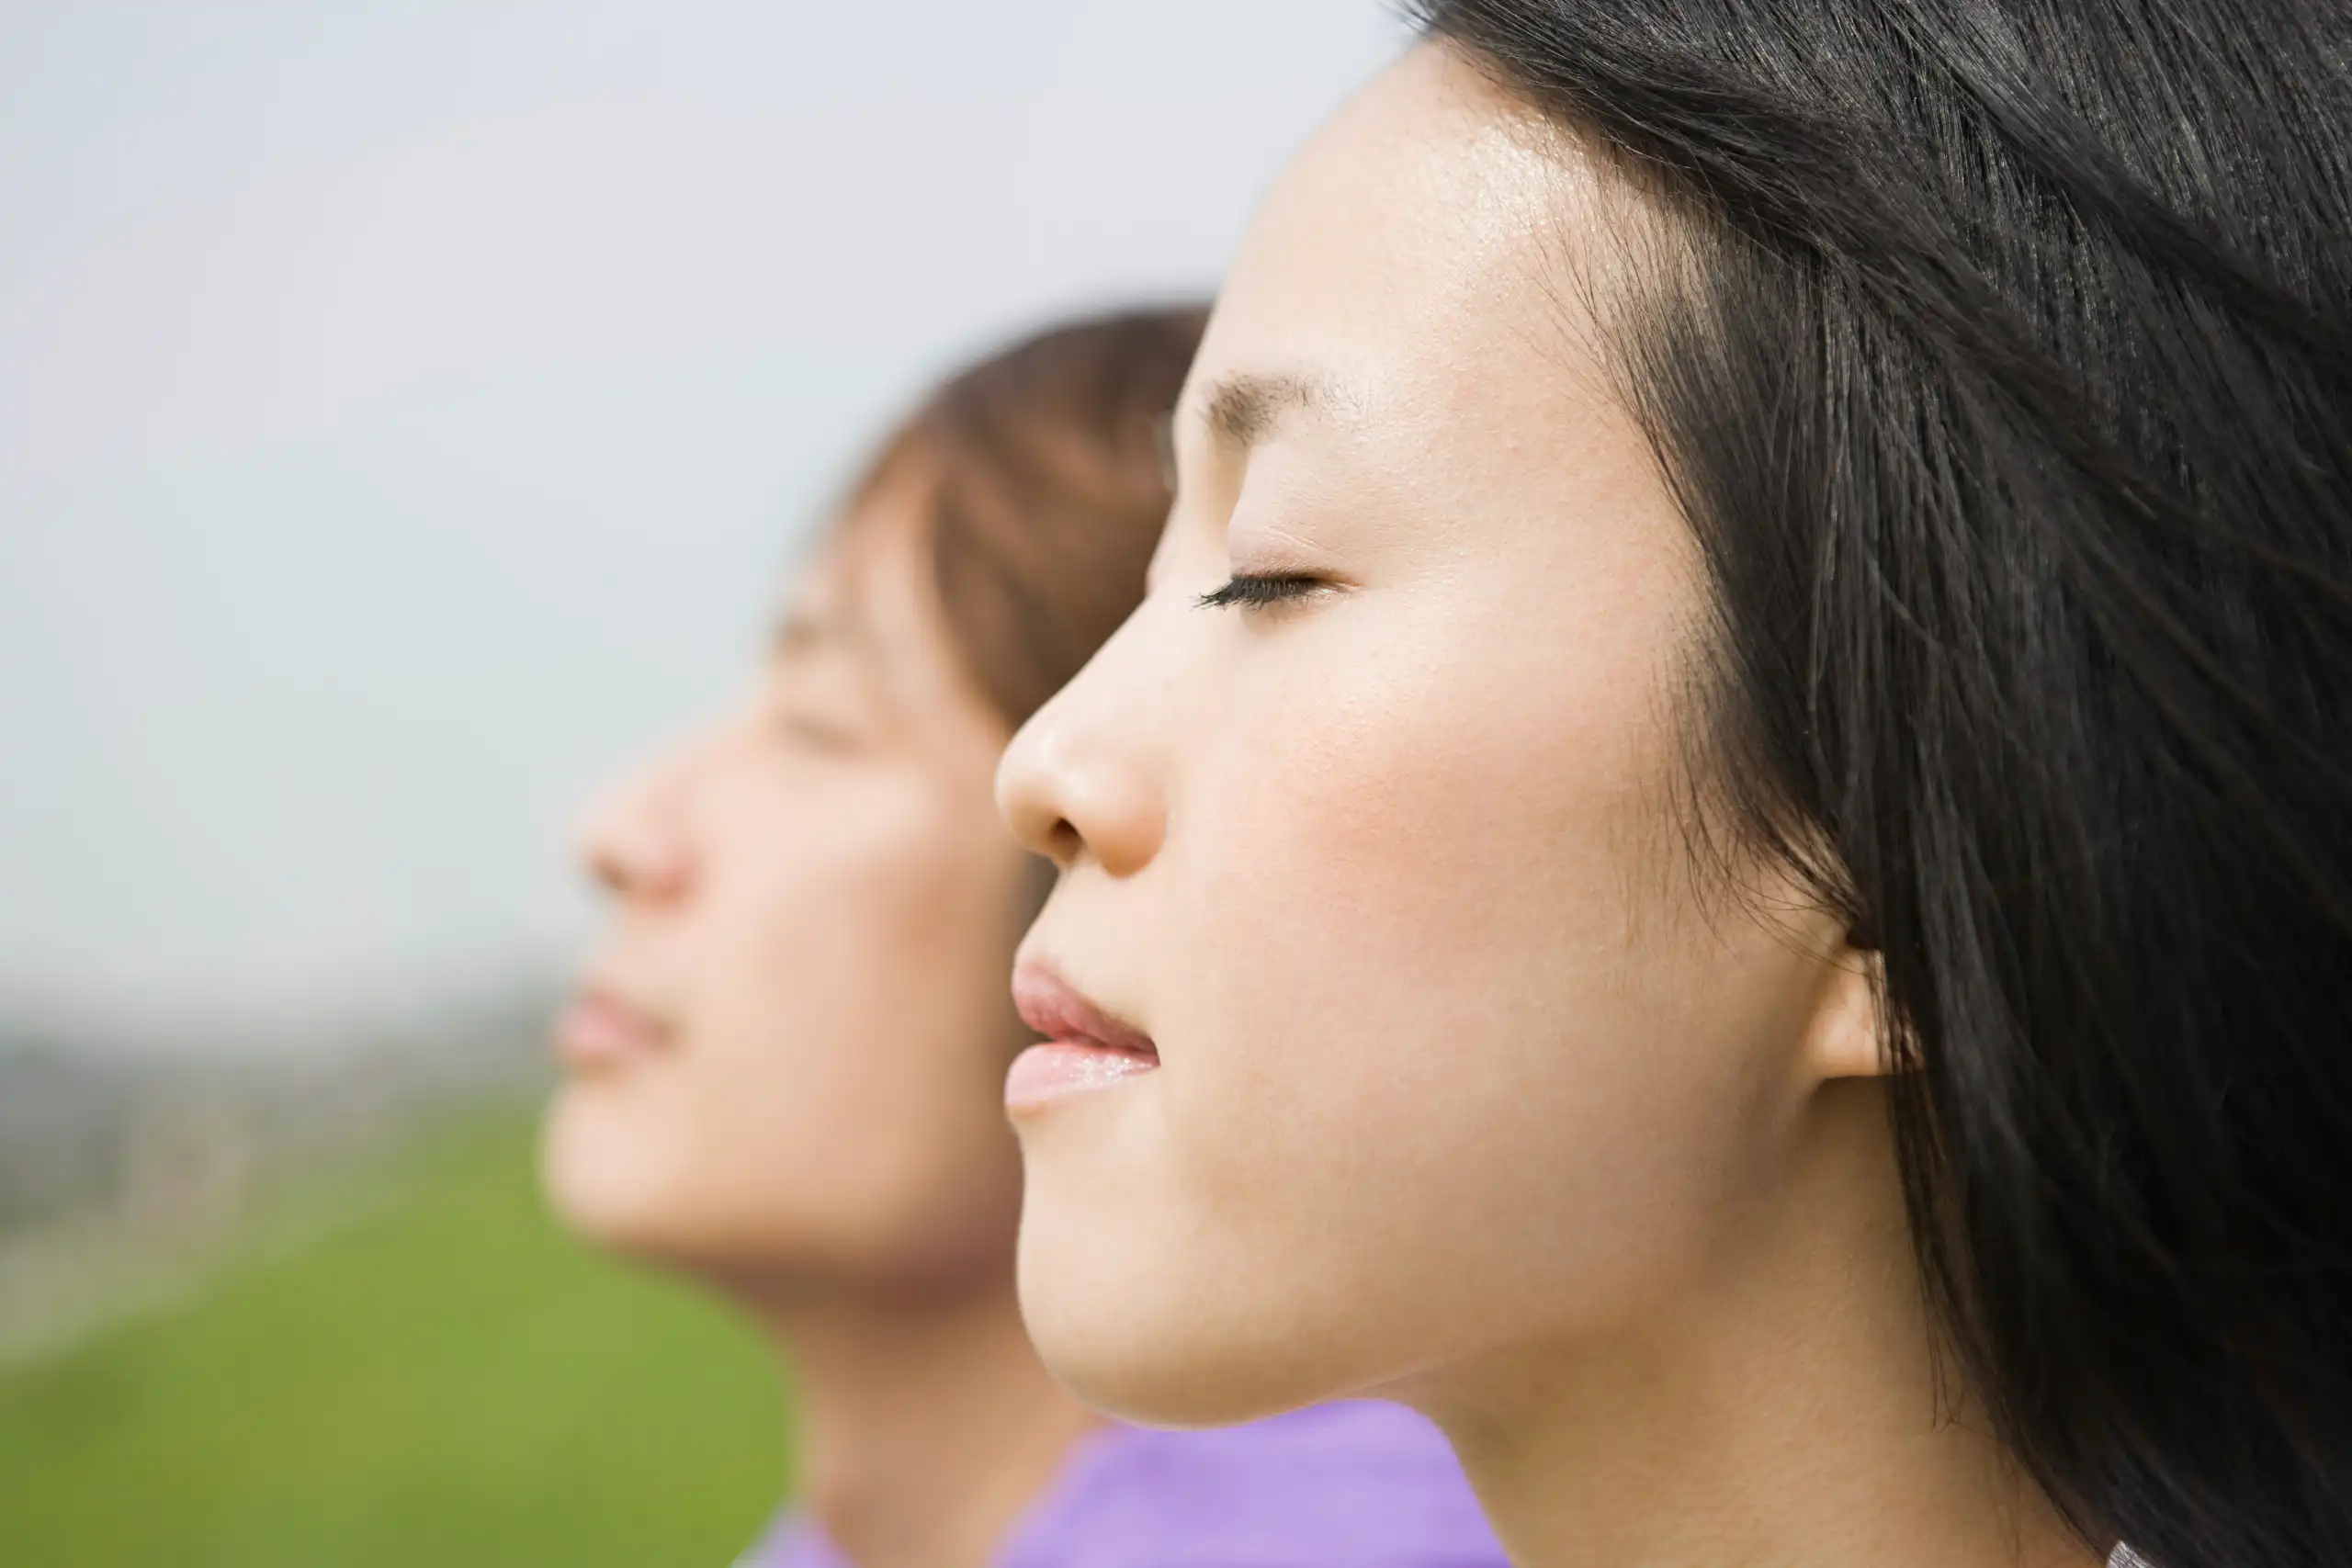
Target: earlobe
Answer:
[[1847, 1035]]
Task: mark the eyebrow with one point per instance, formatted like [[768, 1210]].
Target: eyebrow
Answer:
[[799, 633], [1246, 408]]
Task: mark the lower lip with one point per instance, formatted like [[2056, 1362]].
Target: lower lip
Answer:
[[1060, 1069], [595, 1035]]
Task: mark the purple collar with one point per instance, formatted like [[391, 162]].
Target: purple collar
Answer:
[[1364, 1485]]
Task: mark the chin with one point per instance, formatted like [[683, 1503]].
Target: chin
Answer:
[[1161, 1342], [600, 1180]]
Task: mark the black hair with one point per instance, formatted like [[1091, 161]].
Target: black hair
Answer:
[[2010, 398]]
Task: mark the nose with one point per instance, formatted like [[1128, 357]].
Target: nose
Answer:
[[632, 835], [1077, 782]]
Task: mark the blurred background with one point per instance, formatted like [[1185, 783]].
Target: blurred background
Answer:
[[405, 413]]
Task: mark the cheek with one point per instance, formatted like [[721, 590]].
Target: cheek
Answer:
[[881, 900], [868, 990], [833, 1100], [1452, 989]]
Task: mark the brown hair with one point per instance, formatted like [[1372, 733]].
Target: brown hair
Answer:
[[1047, 486]]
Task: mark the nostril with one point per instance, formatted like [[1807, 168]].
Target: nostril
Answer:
[[1076, 793], [1025, 801]]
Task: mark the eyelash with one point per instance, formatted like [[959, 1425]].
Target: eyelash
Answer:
[[1256, 592]]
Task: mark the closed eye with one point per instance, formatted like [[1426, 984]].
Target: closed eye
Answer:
[[1254, 591], [818, 731]]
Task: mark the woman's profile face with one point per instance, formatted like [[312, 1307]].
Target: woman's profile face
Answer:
[[1393, 867], [785, 1067]]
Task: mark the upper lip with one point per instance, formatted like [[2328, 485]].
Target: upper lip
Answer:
[[604, 997], [1058, 1011]]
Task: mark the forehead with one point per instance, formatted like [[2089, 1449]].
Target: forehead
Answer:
[[1437, 243]]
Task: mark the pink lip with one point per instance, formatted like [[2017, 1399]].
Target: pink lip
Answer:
[[599, 1031], [1085, 1049]]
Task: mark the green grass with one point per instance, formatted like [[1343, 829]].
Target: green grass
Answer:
[[447, 1381]]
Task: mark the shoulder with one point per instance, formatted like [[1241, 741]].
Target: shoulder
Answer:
[[1366, 1484]]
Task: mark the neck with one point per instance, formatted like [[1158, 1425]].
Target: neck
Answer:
[[923, 1428], [1786, 1411]]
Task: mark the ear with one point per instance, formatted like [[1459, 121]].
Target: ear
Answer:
[[1846, 1037]]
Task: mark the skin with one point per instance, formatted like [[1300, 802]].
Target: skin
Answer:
[[1470, 1092], [813, 909]]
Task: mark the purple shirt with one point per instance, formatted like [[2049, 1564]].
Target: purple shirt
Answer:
[[1353, 1486]]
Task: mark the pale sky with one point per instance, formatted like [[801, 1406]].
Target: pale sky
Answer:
[[405, 410]]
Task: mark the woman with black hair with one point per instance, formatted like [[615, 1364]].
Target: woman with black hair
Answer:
[[1723, 853]]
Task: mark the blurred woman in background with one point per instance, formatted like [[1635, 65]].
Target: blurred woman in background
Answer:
[[1723, 853], [786, 1064]]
